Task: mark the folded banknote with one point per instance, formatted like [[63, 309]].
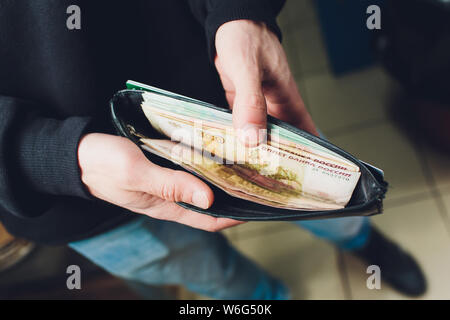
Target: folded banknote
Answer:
[[284, 171]]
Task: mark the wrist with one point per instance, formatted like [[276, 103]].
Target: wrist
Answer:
[[235, 10]]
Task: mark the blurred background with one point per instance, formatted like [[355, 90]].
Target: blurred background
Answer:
[[383, 95]]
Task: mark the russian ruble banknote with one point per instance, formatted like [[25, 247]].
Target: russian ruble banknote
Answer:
[[286, 170]]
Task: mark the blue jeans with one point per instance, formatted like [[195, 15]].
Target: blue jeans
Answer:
[[155, 252]]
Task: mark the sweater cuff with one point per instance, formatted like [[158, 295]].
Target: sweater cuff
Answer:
[[256, 10], [48, 155]]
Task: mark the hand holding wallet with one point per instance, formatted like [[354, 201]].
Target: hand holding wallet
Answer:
[[292, 175]]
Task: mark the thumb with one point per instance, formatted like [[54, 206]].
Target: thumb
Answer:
[[176, 186], [249, 111]]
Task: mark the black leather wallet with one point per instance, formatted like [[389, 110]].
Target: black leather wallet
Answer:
[[367, 198]]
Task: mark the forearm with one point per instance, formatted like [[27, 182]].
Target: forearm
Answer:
[[38, 157]]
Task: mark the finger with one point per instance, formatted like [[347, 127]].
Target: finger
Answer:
[[249, 110], [284, 102], [173, 212], [227, 84], [175, 185]]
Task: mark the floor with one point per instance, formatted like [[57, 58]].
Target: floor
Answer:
[[352, 110]]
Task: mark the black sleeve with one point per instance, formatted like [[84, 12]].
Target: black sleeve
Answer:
[[213, 13], [38, 158]]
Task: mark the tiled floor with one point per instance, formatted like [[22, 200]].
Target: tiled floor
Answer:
[[352, 111]]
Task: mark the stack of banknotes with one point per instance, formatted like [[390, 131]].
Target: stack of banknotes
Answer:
[[285, 171]]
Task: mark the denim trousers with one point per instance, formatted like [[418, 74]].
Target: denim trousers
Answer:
[[155, 252]]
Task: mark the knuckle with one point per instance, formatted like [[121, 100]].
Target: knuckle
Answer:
[[180, 192], [167, 191], [255, 100], [171, 190]]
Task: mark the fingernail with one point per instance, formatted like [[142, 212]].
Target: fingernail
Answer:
[[250, 135], [200, 199]]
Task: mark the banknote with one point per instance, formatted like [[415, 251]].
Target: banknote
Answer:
[[284, 171]]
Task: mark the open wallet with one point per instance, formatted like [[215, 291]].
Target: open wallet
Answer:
[[313, 180]]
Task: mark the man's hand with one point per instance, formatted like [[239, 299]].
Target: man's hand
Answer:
[[257, 80], [116, 170]]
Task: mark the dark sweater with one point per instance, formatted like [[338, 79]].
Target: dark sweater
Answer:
[[55, 84]]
